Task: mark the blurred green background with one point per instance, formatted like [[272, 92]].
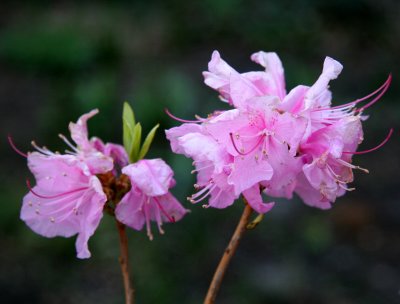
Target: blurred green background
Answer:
[[59, 60]]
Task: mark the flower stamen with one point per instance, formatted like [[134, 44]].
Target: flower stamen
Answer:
[[170, 218], [241, 151], [18, 151], [375, 148], [346, 164], [68, 143], [183, 120], [52, 196]]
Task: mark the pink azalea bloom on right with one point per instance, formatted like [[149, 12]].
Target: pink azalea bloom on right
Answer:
[[273, 142]]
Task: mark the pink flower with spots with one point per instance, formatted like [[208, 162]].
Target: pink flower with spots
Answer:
[[68, 198], [149, 198], [272, 142]]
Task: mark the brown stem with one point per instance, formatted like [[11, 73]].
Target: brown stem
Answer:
[[124, 262], [227, 256]]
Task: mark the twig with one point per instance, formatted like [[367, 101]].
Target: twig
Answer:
[[124, 262], [227, 256]]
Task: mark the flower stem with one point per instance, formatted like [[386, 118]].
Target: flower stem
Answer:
[[124, 262], [227, 256]]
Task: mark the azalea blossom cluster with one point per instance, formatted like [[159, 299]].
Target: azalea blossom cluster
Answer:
[[272, 142], [73, 189]]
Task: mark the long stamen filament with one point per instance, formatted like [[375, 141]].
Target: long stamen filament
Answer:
[[202, 194], [206, 188], [147, 217], [180, 119], [68, 142], [201, 168], [375, 148], [43, 150], [377, 97], [52, 196], [170, 218], [346, 164], [332, 172], [18, 151], [251, 150], [351, 104], [346, 188]]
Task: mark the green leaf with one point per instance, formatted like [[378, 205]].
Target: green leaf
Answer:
[[147, 142], [128, 124], [128, 113], [136, 139]]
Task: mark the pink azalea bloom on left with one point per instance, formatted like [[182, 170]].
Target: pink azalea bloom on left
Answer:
[[73, 190], [68, 198]]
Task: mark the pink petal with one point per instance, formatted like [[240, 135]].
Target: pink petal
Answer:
[[248, 171], [174, 134], [228, 115], [115, 151], [153, 177], [352, 133], [79, 132], [310, 195], [274, 69], [317, 94], [203, 148], [294, 101], [56, 173], [170, 208], [223, 195], [91, 211], [253, 197], [221, 128], [241, 90], [136, 209], [130, 209], [291, 130], [285, 167], [318, 176], [219, 75], [96, 162]]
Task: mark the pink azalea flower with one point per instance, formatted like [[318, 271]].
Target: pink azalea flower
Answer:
[[68, 198], [149, 198], [273, 142]]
